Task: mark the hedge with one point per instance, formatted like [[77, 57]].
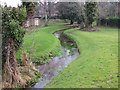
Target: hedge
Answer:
[[111, 22]]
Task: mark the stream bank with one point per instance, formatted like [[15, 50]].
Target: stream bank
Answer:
[[59, 63]]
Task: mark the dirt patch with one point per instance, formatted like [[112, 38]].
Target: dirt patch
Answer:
[[74, 26], [90, 29]]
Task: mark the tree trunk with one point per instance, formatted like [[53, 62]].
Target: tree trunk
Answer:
[[71, 22], [11, 74], [46, 20], [49, 9], [45, 9]]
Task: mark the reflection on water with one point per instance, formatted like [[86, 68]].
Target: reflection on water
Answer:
[[56, 65]]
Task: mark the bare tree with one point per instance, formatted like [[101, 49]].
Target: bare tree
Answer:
[[46, 4], [108, 9]]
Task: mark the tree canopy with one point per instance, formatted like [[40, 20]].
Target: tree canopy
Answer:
[[68, 10]]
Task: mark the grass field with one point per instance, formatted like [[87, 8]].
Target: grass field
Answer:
[[97, 65], [45, 46]]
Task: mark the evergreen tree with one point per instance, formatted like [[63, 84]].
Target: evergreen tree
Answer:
[[90, 13]]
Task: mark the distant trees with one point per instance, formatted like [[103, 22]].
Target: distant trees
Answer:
[[108, 9], [47, 9], [69, 10], [80, 12], [44, 6], [109, 14], [88, 14]]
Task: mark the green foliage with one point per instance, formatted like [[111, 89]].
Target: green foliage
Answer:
[[12, 20], [90, 12], [35, 79], [94, 23], [22, 15], [30, 7], [110, 22]]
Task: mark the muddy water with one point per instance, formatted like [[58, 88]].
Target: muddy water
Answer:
[[56, 65]]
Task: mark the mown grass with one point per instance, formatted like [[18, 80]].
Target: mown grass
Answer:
[[45, 46], [97, 65]]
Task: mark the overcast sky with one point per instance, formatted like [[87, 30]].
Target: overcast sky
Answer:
[[12, 3]]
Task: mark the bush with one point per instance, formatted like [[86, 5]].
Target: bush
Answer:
[[111, 22], [12, 19], [12, 24], [12, 35], [94, 24]]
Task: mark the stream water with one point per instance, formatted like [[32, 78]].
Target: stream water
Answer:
[[57, 64]]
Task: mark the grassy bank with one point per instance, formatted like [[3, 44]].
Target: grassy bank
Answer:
[[45, 46], [97, 65]]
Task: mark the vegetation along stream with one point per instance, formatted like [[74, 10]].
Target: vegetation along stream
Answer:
[[59, 63]]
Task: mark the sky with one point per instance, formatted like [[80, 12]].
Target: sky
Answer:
[[12, 3]]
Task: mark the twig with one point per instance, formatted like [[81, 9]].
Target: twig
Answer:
[[30, 52]]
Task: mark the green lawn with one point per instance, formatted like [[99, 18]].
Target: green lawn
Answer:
[[45, 46], [97, 65]]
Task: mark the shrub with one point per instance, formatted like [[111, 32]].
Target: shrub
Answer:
[[111, 22], [12, 20], [94, 24], [12, 35]]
